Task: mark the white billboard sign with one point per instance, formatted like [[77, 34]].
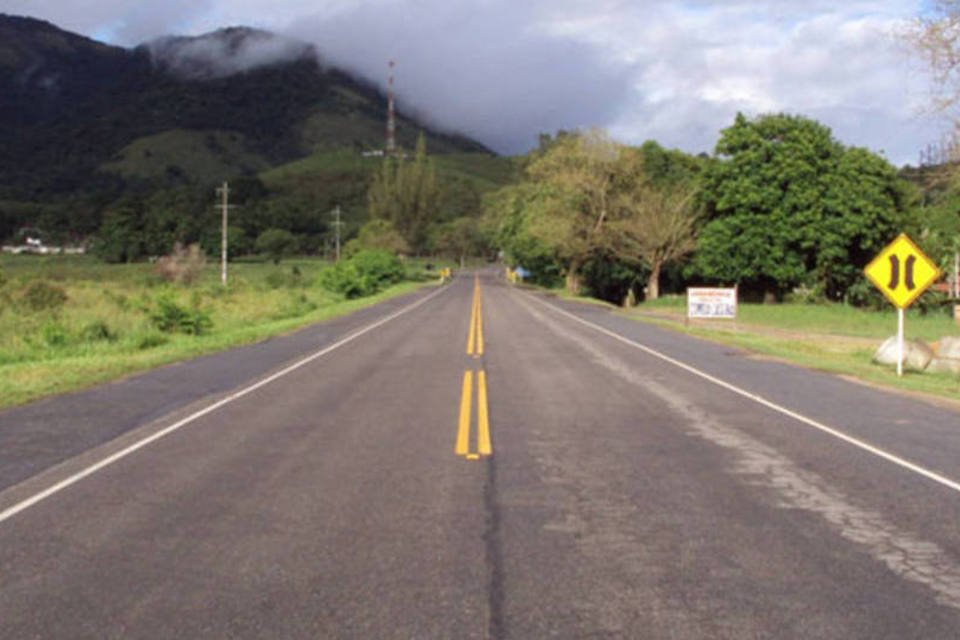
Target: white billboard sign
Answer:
[[709, 302]]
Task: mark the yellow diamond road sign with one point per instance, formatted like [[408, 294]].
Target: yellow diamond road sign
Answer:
[[902, 272]]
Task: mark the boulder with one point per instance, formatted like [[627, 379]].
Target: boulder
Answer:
[[949, 348], [947, 359], [944, 365], [916, 354]]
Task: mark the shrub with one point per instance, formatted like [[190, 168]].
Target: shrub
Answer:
[[170, 317], [54, 335], [151, 340], [363, 274], [296, 306], [279, 279], [43, 296], [183, 265], [98, 331], [3, 279], [277, 243]]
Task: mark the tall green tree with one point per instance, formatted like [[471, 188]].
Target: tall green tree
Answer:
[[578, 178], [406, 194], [790, 205], [656, 222]]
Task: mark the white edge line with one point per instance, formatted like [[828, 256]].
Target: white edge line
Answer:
[[123, 453], [886, 455]]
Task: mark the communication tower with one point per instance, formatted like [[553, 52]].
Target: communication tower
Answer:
[[391, 116]]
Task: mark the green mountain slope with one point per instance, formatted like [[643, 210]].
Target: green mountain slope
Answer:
[[77, 115]]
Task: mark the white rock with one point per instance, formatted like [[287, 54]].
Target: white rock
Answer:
[[916, 354], [949, 348], [944, 365]]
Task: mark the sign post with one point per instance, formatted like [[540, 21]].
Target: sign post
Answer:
[[902, 272]]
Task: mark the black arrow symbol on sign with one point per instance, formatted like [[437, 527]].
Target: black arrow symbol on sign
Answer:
[[908, 273]]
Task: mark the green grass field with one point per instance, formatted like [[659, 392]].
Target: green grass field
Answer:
[[106, 328], [827, 337], [205, 156]]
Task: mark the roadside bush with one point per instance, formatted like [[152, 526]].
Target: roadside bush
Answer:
[[805, 295], [296, 306], [170, 317], [151, 340], [98, 331], [40, 295], [866, 296], [54, 335], [277, 243], [184, 265], [364, 274], [280, 280], [3, 279]]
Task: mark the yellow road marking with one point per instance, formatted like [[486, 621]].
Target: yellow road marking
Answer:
[[483, 421], [475, 335], [466, 397], [475, 349], [472, 335], [479, 351]]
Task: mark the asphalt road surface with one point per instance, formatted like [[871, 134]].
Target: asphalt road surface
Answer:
[[478, 461]]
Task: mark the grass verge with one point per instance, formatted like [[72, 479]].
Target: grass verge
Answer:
[[836, 339], [106, 327]]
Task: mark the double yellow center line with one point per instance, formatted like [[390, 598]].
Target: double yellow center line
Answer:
[[474, 349], [475, 335]]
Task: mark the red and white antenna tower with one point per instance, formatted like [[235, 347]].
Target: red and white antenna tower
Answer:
[[391, 116]]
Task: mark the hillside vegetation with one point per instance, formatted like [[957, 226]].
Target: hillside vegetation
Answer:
[[89, 128]]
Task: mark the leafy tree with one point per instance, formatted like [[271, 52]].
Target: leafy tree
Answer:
[[668, 167], [121, 237], [378, 234], [507, 214], [460, 238], [790, 205], [407, 195], [578, 176], [936, 38], [656, 223], [277, 243]]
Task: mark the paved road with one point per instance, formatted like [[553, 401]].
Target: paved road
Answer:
[[635, 484]]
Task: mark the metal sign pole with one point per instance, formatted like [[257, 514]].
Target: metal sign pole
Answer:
[[900, 315]]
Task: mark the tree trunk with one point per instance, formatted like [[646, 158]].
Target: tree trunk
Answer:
[[573, 277], [653, 282]]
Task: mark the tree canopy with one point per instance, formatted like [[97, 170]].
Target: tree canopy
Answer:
[[789, 205]]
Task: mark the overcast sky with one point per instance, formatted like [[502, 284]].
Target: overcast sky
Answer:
[[505, 70]]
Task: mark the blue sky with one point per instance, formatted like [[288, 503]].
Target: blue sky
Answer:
[[504, 71]]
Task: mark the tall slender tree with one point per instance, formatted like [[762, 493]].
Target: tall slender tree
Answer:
[[406, 194]]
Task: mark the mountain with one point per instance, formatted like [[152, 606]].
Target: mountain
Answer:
[[80, 116]]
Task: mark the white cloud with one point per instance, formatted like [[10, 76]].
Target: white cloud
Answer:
[[504, 70]]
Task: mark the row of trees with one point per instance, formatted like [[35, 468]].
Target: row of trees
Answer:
[[410, 211], [780, 205], [586, 198]]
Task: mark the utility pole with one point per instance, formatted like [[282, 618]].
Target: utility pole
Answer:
[[337, 223], [956, 275], [224, 193]]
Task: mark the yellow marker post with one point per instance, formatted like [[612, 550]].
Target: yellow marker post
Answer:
[[463, 432]]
